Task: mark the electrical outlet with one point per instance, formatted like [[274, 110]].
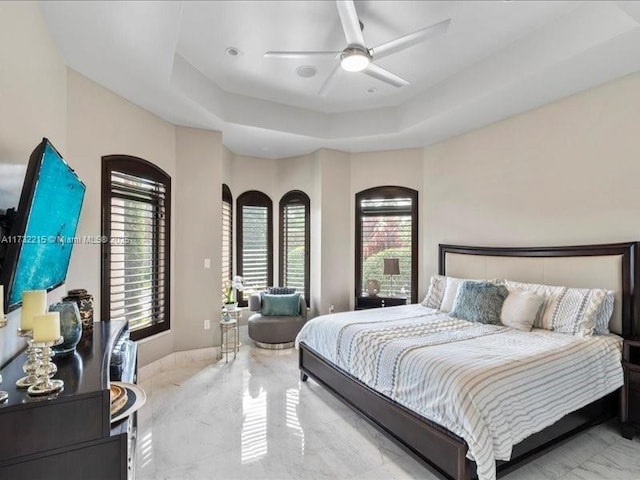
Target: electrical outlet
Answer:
[[331, 308], [207, 263], [207, 324]]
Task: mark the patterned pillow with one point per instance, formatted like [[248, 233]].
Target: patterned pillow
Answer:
[[280, 290], [604, 313], [479, 302], [575, 311], [435, 293]]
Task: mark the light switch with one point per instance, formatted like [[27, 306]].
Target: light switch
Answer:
[[207, 263]]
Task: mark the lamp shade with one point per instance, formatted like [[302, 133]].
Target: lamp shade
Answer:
[[391, 266]]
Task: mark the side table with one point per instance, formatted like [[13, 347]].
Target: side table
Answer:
[[229, 337]]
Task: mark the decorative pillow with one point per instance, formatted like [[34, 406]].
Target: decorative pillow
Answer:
[[435, 293], [479, 302], [451, 292], [280, 290], [521, 309], [550, 292], [281, 305], [603, 316], [575, 311], [443, 290]]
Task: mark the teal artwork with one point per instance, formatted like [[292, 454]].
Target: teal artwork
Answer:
[[49, 236]]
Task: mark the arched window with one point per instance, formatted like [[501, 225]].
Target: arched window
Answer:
[[254, 236], [136, 219], [294, 242], [387, 228], [227, 234]]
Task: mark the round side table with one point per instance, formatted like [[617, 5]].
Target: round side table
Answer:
[[229, 338]]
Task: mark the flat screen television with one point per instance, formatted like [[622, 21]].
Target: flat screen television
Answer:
[[39, 236]]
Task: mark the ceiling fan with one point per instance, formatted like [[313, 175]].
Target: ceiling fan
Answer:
[[356, 57]]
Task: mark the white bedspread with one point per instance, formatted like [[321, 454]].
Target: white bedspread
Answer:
[[491, 385]]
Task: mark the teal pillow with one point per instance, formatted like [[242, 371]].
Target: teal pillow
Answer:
[[479, 302], [281, 305]]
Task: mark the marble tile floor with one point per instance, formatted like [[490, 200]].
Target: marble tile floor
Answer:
[[253, 419]]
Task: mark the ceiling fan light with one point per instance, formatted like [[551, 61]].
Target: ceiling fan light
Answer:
[[354, 60]]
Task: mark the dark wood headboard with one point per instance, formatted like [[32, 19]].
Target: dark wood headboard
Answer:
[[626, 252]]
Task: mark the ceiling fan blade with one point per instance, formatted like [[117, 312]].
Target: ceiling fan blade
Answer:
[[327, 83], [407, 41], [300, 54], [350, 22], [385, 75]]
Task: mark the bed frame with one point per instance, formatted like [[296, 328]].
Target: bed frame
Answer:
[[441, 450]]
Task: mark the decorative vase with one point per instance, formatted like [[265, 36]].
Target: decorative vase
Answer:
[[231, 307], [70, 327], [84, 301]]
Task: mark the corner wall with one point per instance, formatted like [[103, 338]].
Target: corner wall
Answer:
[[199, 155], [33, 104], [103, 123]]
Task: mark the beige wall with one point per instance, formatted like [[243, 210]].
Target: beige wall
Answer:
[[33, 104], [198, 207], [566, 173]]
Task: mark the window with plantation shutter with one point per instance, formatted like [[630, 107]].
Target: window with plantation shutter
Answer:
[[294, 242], [254, 236], [136, 219], [227, 234], [387, 228]]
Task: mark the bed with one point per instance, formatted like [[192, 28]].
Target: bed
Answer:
[[448, 446]]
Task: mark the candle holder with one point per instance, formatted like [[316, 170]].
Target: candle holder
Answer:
[[32, 363], [45, 385]]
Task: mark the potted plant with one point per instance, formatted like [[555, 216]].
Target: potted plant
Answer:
[[229, 293]]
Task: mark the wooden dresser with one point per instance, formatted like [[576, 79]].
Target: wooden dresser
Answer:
[[68, 435]]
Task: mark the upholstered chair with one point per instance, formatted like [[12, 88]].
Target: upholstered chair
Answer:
[[276, 321]]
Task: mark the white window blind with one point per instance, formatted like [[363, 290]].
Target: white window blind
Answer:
[[255, 249], [294, 248], [226, 241], [137, 257], [386, 233]]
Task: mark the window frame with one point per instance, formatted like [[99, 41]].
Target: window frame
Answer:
[[253, 198], [227, 197], [139, 167], [296, 196], [386, 192]]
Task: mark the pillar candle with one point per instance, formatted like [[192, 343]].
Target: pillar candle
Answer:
[[34, 302], [46, 328]]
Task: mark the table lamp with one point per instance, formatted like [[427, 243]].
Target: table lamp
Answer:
[[392, 267]]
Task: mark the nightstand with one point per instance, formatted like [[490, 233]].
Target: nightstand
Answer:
[[378, 302], [630, 408]]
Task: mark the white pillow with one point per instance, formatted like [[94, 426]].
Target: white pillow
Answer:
[[551, 294], [521, 309], [450, 293]]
